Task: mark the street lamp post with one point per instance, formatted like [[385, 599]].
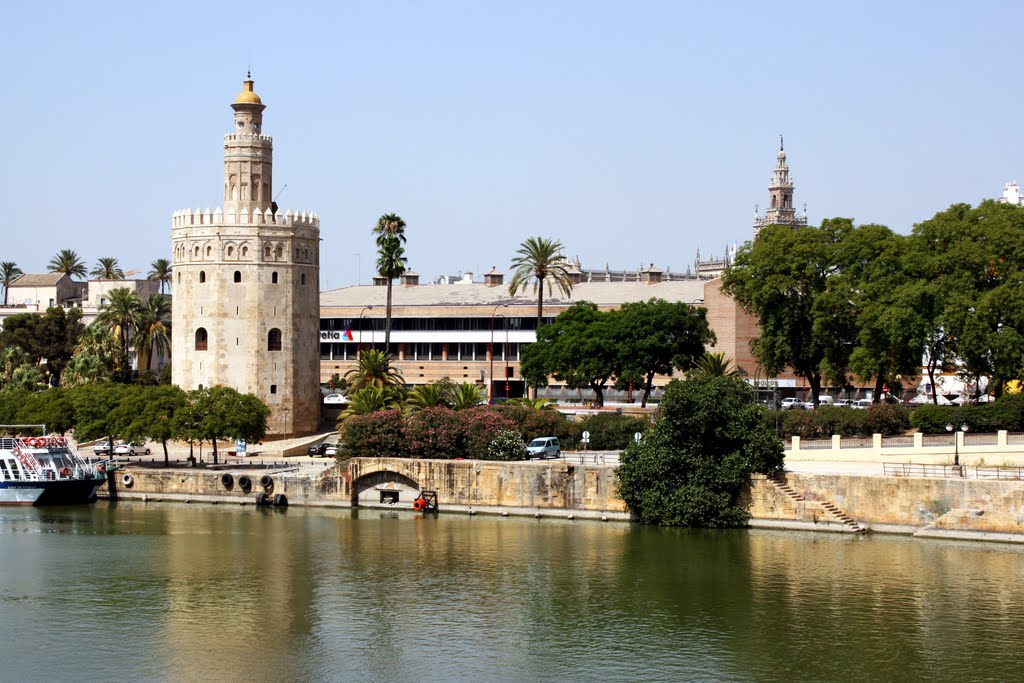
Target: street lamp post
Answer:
[[956, 442], [490, 353], [359, 349]]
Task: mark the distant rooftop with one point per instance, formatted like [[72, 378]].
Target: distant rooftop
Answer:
[[37, 280]]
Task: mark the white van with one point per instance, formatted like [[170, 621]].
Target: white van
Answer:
[[825, 400]]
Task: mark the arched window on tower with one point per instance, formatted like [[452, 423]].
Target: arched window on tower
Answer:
[[245, 252], [274, 340], [202, 340], [266, 252], [273, 278], [231, 252], [202, 276], [280, 252], [238, 276], [209, 252], [302, 279], [775, 202]]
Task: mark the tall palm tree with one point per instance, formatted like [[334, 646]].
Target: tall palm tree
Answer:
[[68, 262], [716, 365], [152, 330], [429, 396], [107, 269], [9, 272], [119, 318], [374, 370], [390, 232], [540, 260], [161, 272]]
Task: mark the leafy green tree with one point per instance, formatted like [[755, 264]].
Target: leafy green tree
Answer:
[[224, 413], [160, 270], [690, 469], [68, 262], [780, 278], [51, 336], [577, 349], [374, 370], [9, 272], [390, 232], [18, 371], [540, 260], [655, 337], [95, 407], [107, 268], [152, 413], [50, 407], [94, 359]]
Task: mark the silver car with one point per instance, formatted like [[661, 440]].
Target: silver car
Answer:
[[544, 447]]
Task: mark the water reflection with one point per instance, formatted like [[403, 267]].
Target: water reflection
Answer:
[[172, 592]]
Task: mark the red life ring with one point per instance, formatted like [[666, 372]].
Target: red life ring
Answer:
[[419, 504], [65, 472], [34, 443]]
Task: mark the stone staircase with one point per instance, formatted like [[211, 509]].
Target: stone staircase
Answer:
[[830, 511]]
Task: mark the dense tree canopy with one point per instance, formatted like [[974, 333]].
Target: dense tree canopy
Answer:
[[691, 467], [52, 335]]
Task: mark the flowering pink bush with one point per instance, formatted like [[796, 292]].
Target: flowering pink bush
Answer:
[[434, 433], [480, 427], [380, 434]]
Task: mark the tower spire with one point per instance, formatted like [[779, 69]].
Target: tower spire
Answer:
[[781, 209]]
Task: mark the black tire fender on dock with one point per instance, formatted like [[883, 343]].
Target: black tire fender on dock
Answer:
[[127, 480], [244, 483], [266, 481], [262, 498], [281, 500], [227, 480]]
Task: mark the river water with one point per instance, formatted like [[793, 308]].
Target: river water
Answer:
[[172, 592]]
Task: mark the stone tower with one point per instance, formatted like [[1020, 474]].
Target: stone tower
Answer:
[[780, 198], [246, 286]]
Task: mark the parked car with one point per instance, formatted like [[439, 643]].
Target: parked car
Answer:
[[792, 404], [317, 449], [332, 450], [844, 403], [102, 448], [335, 399], [863, 404], [130, 448], [544, 447]]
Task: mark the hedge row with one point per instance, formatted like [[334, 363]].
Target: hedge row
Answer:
[[481, 433], [880, 418], [1006, 413]]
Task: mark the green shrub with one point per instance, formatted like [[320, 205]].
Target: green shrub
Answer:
[[931, 419], [886, 418], [434, 433], [613, 431], [800, 423]]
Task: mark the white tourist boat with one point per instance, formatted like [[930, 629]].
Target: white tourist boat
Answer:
[[46, 470]]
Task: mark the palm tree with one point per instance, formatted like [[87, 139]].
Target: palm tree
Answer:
[[153, 330], [467, 396], [371, 399], [107, 269], [534, 403], [68, 262], [93, 360], [429, 396], [716, 365], [390, 232], [119, 318], [374, 370], [9, 272], [161, 272], [540, 260]]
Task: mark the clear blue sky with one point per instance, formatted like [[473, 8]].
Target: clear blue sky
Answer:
[[631, 131]]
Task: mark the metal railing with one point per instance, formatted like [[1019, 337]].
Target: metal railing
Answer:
[[855, 442], [1010, 473], [812, 444], [899, 441], [899, 469]]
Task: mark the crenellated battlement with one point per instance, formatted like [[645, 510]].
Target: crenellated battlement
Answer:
[[230, 137], [184, 218]]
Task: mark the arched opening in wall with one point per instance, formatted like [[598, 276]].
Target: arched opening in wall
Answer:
[[245, 192], [296, 254], [266, 252], [273, 278], [302, 279], [202, 340], [274, 340], [238, 276], [273, 388], [179, 278], [245, 252], [256, 187], [280, 252], [231, 252], [209, 252], [202, 276], [775, 201], [383, 488], [196, 251]]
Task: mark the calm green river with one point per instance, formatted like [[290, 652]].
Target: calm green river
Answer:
[[171, 592]]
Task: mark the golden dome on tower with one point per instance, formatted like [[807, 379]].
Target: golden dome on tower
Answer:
[[248, 95]]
